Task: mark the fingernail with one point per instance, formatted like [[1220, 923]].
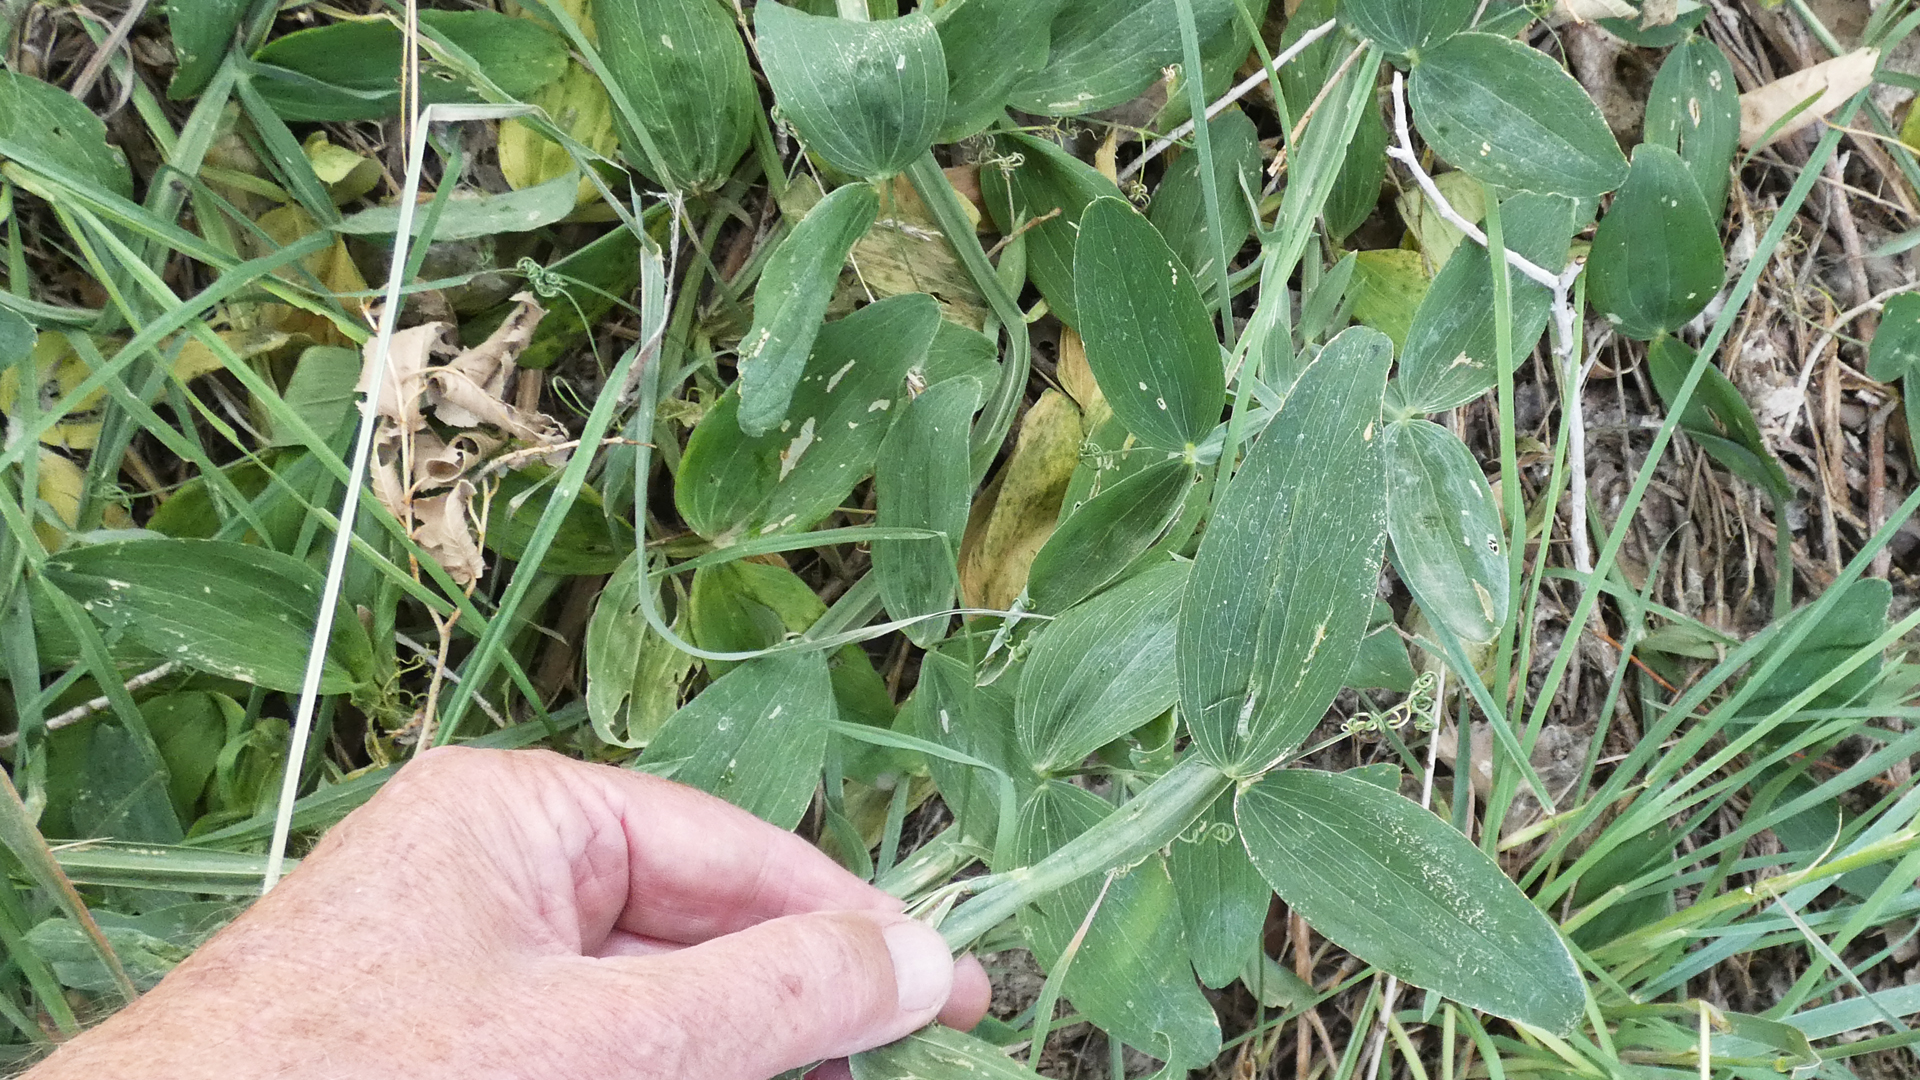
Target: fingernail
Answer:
[[922, 966]]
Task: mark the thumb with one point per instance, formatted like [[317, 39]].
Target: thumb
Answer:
[[783, 993]]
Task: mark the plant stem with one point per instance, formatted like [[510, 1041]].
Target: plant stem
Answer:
[[1151, 821]]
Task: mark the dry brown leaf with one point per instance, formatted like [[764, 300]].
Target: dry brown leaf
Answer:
[[444, 532], [383, 472], [1076, 376], [1833, 81], [407, 359], [906, 252]]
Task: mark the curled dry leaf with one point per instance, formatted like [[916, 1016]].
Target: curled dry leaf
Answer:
[[1832, 82], [420, 473], [1589, 10], [445, 532]]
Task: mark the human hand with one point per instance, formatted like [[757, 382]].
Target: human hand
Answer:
[[517, 913]]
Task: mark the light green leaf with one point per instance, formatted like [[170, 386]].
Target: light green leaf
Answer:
[[1445, 530], [1388, 286], [792, 300], [1694, 108], [17, 338], [1509, 116], [989, 45], [464, 217], [1894, 352], [149, 944], [1179, 206], [1130, 976], [1100, 670], [1107, 535], [1149, 339], [321, 392], [949, 710], [1381, 662], [1222, 896], [757, 737], [731, 484], [1045, 183], [346, 70], [923, 480], [684, 69], [633, 674], [1449, 357], [1283, 582], [588, 542], [1401, 26], [1404, 891], [1106, 51], [1656, 257], [1717, 418], [52, 129], [202, 32], [937, 1052], [1855, 621], [231, 609], [869, 97]]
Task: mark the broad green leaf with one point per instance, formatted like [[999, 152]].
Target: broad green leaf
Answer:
[[1107, 535], [190, 728], [937, 1052], [53, 129], [1356, 190], [1717, 418], [792, 299], [1629, 30], [1656, 257], [231, 609], [731, 484], [1855, 621], [1509, 116], [1694, 108], [1381, 662], [960, 353], [1894, 352], [989, 45], [321, 392], [1449, 358], [756, 737], [202, 31], [1104, 52], [587, 543], [1179, 204], [149, 944], [1100, 670], [1445, 530], [17, 338], [1149, 339], [742, 606], [923, 480], [1408, 26], [949, 710], [470, 218], [684, 69], [1131, 976], [868, 97], [1031, 180], [633, 674], [1222, 896], [346, 70], [1284, 578], [1388, 286], [119, 794], [1404, 891]]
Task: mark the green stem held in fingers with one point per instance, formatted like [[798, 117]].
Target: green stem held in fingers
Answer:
[[1150, 822]]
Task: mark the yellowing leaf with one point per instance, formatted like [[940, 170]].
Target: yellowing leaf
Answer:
[[347, 175], [333, 268], [905, 252], [1830, 83], [578, 105], [58, 370], [1013, 518], [1435, 235]]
